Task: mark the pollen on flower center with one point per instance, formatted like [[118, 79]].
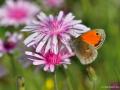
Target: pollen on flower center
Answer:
[[17, 13], [52, 58]]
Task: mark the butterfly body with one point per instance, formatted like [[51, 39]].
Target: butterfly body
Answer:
[[86, 45]]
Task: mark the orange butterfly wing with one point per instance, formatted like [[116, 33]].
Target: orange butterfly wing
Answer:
[[94, 37]]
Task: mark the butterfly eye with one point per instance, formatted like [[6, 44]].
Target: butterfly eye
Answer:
[[97, 33]]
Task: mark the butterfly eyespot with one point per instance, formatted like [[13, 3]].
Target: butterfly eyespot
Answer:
[[97, 33]]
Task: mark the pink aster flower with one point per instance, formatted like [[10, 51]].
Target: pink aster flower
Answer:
[[18, 12], [50, 31], [50, 60], [53, 3]]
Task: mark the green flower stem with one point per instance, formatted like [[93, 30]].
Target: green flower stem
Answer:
[[67, 80], [55, 81], [12, 62]]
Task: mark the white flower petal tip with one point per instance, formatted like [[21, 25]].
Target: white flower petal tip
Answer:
[[46, 67], [38, 62], [60, 15], [34, 55], [52, 68]]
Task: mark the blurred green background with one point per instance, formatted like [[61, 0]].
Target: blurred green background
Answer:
[[103, 14]]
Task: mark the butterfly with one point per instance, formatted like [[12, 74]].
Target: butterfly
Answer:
[[87, 44]]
